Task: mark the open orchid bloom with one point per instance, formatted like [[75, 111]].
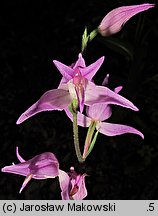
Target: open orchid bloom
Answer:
[[78, 75], [61, 98], [99, 112], [75, 83], [115, 19], [45, 166], [72, 185], [96, 114], [78, 71], [42, 166]]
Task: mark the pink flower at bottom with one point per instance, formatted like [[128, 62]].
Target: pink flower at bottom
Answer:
[[72, 185], [98, 113], [44, 166]]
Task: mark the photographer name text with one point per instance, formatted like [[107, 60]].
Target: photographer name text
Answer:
[[73, 207]]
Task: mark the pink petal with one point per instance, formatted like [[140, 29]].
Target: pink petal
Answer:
[[110, 129], [90, 71], [99, 94], [20, 169], [65, 70], [44, 166], [26, 181], [82, 120], [80, 92], [114, 98], [115, 19], [78, 84], [56, 99], [118, 89], [64, 181], [80, 62], [82, 191], [99, 111], [91, 94], [18, 156]]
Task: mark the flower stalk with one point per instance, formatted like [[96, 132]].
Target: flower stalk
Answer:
[[73, 110]]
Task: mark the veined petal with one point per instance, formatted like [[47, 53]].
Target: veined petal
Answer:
[[110, 129], [80, 92], [65, 70], [44, 166], [56, 99], [99, 94], [82, 120], [64, 181], [114, 98], [20, 169], [115, 19], [99, 111], [90, 71], [91, 94], [80, 62]]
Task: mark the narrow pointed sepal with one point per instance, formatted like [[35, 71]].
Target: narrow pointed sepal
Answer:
[[110, 129], [26, 181]]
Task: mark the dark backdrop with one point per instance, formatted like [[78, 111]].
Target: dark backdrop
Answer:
[[32, 34]]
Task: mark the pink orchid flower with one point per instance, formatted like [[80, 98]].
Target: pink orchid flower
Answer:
[[44, 166], [115, 19], [72, 185], [80, 88], [78, 75], [78, 71], [98, 113]]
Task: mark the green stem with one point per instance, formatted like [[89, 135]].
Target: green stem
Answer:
[[76, 139], [89, 136], [92, 144]]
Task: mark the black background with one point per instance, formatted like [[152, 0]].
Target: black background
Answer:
[[32, 34]]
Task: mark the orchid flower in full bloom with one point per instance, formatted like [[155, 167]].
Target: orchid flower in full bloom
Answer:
[[115, 19], [78, 69], [78, 76], [44, 166], [76, 84], [96, 115]]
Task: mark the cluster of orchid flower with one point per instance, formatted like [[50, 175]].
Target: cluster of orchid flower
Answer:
[[76, 94]]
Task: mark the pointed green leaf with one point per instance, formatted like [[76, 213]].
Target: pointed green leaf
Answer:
[[93, 34], [84, 39]]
